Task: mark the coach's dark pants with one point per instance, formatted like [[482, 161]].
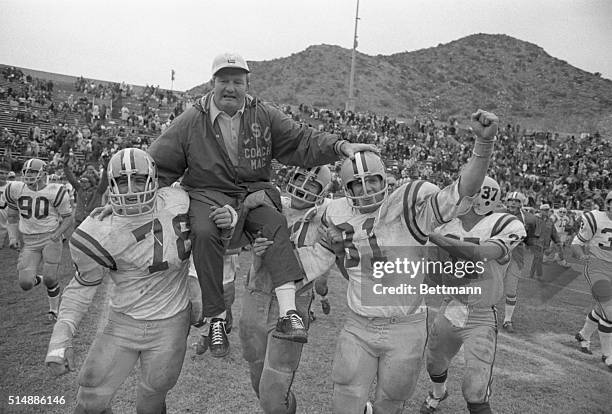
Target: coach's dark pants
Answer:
[[208, 250]]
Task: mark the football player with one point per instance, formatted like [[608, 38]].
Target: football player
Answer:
[[515, 202], [273, 362], [562, 222], [480, 235], [144, 246], [384, 336], [43, 214], [593, 245]]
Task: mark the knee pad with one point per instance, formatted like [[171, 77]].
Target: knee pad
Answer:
[[49, 271], [602, 290]]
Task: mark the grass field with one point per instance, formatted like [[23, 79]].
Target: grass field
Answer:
[[538, 369]]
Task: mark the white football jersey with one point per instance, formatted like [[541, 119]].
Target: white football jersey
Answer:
[[596, 233], [398, 230], [561, 222], [3, 206], [506, 231], [39, 211], [146, 256], [304, 228]]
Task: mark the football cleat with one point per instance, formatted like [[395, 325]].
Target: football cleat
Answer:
[[51, 316], [431, 403], [202, 345], [325, 306], [291, 327], [369, 409], [585, 345], [508, 327], [218, 342], [608, 361]]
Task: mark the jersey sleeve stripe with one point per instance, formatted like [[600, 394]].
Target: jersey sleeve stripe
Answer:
[[410, 197], [8, 196], [84, 282], [436, 209], [59, 197], [80, 240], [591, 220], [500, 244], [582, 239], [501, 224]]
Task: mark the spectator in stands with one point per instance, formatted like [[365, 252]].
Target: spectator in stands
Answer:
[[88, 191]]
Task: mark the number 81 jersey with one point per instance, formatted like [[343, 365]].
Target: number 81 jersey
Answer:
[[147, 257]]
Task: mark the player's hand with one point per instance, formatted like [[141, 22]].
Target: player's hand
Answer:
[[222, 216], [101, 212], [349, 149], [334, 235], [485, 124], [62, 363], [260, 245], [56, 237]]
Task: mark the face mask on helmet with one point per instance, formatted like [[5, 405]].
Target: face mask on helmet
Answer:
[[515, 201], [132, 182], [34, 171], [360, 171], [307, 184], [488, 198], [608, 203], [562, 212]]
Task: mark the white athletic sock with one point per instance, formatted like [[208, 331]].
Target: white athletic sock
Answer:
[[286, 298], [509, 309], [605, 337], [439, 388], [222, 315], [590, 325]]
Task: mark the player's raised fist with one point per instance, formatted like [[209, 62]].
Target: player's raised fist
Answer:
[[485, 124], [62, 363]]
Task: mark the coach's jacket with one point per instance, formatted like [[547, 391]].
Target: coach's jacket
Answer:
[[193, 147]]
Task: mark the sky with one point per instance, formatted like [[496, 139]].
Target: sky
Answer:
[[140, 42]]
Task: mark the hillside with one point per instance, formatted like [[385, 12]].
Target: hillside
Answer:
[[516, 79]]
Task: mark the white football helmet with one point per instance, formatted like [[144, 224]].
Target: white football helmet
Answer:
[[296, 186], [132, 182], [365, 164], [515, 195], [608, 203], [562, 212], [34, 171], [488, 198]]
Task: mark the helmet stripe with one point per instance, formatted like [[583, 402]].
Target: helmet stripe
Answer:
[[363, 162], [355, 168]]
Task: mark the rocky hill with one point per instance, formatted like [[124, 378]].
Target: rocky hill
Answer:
[[516, 79]]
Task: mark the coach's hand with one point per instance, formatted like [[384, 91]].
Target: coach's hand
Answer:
[[260, 245], [224, 217], [485, 124], [101, 212], [349, 149], [60, 361]]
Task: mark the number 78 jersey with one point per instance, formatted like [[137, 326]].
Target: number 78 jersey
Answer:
[[147, 257]]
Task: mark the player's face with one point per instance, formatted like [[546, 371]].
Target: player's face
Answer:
[[312, 186], [230, 89], [514, 205], [138, 186], [373, 184]]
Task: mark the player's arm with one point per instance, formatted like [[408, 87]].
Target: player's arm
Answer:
[[64, 209], [92, 263], [588, 226], [12, 219], [458, 248]]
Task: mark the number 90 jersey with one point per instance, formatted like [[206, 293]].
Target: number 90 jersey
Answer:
[[39, 211], [147, 257]]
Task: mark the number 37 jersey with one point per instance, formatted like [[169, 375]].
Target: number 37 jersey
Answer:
[[146, 256], [39, 211]]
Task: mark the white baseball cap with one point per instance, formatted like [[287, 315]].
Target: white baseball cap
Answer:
[[229, 60], [11, 174], [544, 207]]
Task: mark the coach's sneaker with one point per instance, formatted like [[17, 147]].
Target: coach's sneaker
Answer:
[[291, 327], [218, 342], [585, 345], [325, 306], [508, 326], [431, 403]]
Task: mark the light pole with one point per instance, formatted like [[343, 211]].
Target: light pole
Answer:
[[350, 103]]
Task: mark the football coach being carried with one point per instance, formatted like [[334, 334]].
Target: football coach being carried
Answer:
[[224, 146]]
